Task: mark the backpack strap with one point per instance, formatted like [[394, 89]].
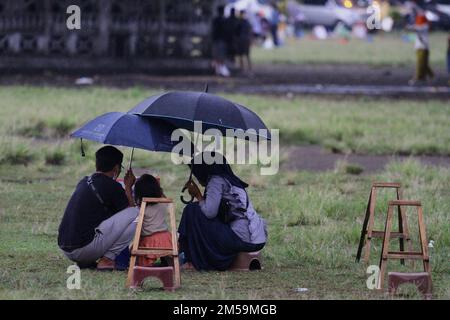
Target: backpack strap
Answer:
[[90, 183]]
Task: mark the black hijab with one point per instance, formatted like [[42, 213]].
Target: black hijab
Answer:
[[203, 171]]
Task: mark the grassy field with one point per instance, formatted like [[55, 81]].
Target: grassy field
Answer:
[[383, 50], [314, 218]]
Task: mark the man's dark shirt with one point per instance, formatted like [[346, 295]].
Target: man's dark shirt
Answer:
[[219, 29], [244, 29], [231, 24], [84, 211]]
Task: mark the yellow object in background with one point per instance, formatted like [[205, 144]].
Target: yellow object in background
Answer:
[[348, 4]]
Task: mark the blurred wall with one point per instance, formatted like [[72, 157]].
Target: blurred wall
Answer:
[[114, 34]]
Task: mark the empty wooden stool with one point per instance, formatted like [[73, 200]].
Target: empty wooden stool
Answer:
[[367, 232], [247, 261], [421, 279], [169, 276], [420, 255]]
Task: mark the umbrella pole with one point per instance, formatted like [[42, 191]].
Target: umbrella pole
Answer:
[[131, 159], [190, 174], [83, 154]]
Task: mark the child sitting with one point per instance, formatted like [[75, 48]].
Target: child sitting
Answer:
[[154, 232]]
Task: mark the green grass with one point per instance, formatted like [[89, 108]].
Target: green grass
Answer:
[[384, 50], [359, 125], [55, 157], [314, 224], [314, 218], [16, 154]]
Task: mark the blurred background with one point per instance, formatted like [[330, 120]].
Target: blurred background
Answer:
[[312, 42]]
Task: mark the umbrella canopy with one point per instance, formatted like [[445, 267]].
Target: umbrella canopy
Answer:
[[128, 130], [182, 108]]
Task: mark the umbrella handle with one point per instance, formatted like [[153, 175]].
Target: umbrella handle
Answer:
[[182, 197], [184, 189]]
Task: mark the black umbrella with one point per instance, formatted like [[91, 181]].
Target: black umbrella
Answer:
[[182, 108]]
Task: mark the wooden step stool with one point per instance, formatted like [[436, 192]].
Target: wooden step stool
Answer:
[[367, 232], [247, 261], [169, 276], [386, 254], [165, 274], [421, 279]]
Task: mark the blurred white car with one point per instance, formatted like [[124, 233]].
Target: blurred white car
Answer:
[[329, 13]]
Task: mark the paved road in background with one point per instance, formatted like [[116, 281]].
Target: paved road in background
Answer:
[[276, 79]]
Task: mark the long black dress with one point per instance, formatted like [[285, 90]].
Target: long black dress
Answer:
[[209, 244]]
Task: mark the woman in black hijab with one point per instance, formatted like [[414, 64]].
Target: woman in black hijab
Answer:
[[222, 222]]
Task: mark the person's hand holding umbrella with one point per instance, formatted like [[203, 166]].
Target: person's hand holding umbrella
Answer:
[[194, 190], [129, 181]]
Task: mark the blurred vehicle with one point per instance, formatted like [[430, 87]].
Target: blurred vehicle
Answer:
[[329, 13], [438, 14]]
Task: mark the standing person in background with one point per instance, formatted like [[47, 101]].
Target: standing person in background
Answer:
[[243, 42], [421, 27], [265, 27], [219, 45], [255, 22], [448, 59], [230, 35], [274, 21]]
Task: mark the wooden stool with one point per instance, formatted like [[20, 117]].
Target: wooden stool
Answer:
[[367, 232], [386, 254], [169, 276], [165, 274], [421, 279], [247, 261]]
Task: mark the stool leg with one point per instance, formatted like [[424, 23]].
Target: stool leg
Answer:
[[176, 261], [423, 241], [135, 246], [364, 229], [385, 249], [403, 227], [400, 226], [130, 271], [370, 224], [176, 270], [393, 284]]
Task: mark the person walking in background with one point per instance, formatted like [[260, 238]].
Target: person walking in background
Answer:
[[421, 27], [274, 22], [230, 35], [219, 45], [243, 41], [448, 59]]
